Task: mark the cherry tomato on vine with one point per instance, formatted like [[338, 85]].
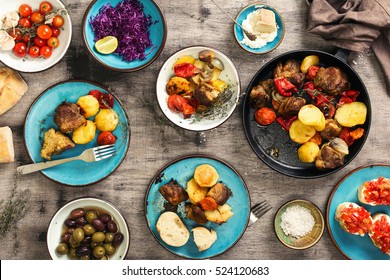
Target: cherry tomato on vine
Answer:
[[39, 41], [36, 17], [58, 21], [45, 52], [20, 49], [56, 32], [53, 42], [34, 51], [25, 10], [44, 31], [25, 22], [16, 34], [45, 7], [26, 38]]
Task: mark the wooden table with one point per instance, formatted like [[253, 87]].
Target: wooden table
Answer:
[[154, 142]]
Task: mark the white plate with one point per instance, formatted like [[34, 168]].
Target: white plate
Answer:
[[37, 64], [229, 75]]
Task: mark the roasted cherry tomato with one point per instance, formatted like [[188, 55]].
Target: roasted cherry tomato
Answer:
[[25, 10], [34, 51], [24, 22], [186, 70], [106, 138], [45, 52], [20, 49], [39, 41], [44, 31], [265, 116], [36, 17], [58, 21], [106, 100], [53, 42], [16, 34], [179, 104], [312, 72], [45, 7], [56, 32]]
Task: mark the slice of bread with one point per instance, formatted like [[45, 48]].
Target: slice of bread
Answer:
[[172, 230], [380, 232], [344, 225], [6, 145], [362, 198], [204, 238]]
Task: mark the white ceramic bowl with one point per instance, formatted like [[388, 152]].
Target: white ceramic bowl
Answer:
[[56, 226], [37, 64], [229, 75]]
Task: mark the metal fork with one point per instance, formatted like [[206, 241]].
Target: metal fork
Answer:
[[258, 210], [90, 155]]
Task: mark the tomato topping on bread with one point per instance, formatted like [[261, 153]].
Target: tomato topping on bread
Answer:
[[353, 218], [380, 232], [375, 192]]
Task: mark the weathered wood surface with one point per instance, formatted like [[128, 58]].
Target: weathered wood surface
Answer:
[[154, 141]]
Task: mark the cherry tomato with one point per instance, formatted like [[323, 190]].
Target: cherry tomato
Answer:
[[178, 103], [20, 49], [106, 138], [25, 22], [56, 32], [39, 42], [106, 100], [45, 7], [16, 34], [44, 31], [45, 51], [265, 116], [58, 21], [34, 51], [36, 17], [25, 10], [26, 38], [53, 42]]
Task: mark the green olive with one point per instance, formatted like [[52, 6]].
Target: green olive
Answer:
[[99, 252], [78, 235], [62, 249], [72, 254], [93, 244], [73, 243], [86, 257], [110, 249], [105, 258], [98, 237], [90, 216], [89, 230], [109, 237]]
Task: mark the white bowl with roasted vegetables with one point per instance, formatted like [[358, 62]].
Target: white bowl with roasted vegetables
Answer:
[[198, 88], [34, 35]]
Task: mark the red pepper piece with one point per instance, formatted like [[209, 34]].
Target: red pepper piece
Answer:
[[344, 100], [179, 104], [186, 70], [286, 121], [284, 87]]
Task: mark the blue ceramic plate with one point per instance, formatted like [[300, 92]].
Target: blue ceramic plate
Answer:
[[40, 118], [239, 35], [158, 35], [352, 246], [182, 170]]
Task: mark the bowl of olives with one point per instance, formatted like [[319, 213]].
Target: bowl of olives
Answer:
[[88, 229]]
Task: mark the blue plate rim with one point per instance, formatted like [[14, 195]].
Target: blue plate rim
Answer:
[[80, 81], [125, 70], [275, 11], [334, 191], [189, 156]]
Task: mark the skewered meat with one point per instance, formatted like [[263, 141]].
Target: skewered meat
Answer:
[[173, 193], [54, 143], [332, 154], [332, 80], [332, 129], [220, 193], [195, 213], [291, 71], [261, 94], [205, 94], [291, 106], [68, 117]]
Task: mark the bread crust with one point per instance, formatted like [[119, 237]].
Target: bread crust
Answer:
[[12, 88], [6, 145], [376, 218]]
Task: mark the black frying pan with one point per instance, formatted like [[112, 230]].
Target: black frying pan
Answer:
[[273, 145]]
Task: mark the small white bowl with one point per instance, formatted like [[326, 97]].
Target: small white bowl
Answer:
[[229, 75], [31, 65], [56, 226]]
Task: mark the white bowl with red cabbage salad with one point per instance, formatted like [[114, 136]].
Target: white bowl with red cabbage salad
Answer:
[[139, 26]]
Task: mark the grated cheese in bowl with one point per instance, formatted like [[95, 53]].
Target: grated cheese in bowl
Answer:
[[297, 221]]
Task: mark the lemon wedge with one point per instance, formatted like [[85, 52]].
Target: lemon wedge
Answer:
[[107, 45]]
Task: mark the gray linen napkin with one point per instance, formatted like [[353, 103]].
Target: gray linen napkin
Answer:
[[355, 25]]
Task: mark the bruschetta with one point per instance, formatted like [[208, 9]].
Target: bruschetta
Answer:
[[375, 192], [353, 218], [380, 232]]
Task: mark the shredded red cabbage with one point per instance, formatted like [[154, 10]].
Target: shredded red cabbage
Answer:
[[128, 23]]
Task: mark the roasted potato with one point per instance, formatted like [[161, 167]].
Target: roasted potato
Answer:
[[184, 59], [220, 215], [312, 116], [219, 85], [106, 120], [301, 133], [196, 193], [85, 133], [178, 85], [351, 114], [308, 61], [206, 175], [308, 152], [89, 105]]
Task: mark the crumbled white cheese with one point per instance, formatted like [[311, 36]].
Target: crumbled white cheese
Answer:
[[297, 221]]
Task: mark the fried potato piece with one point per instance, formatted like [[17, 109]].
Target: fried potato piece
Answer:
[[89, 105], [308, 152], [308, 61], [106, 120], [220, 215], [195, 192], [206, 175], [301, 133], [85, 133], [178, 85], [351, 114], [311, 115]]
